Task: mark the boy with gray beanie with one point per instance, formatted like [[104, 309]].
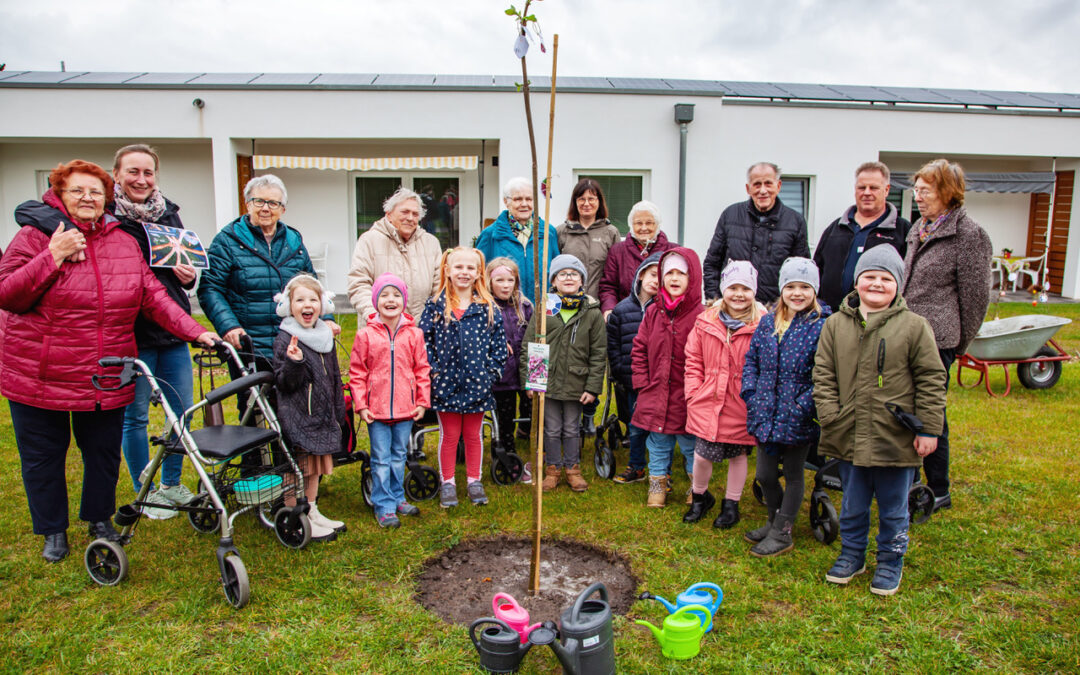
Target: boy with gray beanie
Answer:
[[874, 351]]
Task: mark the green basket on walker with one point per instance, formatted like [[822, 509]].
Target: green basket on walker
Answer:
[[258, 490]]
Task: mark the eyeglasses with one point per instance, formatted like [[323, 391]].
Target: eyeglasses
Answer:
[[588, 200], [94, 195], [922, 192], [568, 274], [272, 203]]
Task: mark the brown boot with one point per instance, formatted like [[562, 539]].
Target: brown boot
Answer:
[[574, 478], [657, 491], [552, 474]]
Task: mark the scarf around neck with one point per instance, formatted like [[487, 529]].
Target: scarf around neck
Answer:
[[149, 211], [669, 303], [926, 228], [572, 301], [319, 337], [730, 322]]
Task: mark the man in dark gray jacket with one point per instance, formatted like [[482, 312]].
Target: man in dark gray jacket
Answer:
[[761, 230]]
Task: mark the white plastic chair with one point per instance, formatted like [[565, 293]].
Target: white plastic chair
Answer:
[[319, 263]]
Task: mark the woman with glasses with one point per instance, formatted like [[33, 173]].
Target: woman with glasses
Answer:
[[251, 260], [947, 267], [72, 284]]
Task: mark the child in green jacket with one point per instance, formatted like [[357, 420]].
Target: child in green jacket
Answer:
[[875, 351]]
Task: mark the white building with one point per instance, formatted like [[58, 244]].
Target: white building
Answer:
[[463, 136]]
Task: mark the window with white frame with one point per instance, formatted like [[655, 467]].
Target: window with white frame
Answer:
[[795, 194]]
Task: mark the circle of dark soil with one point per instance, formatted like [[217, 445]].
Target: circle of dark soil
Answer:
[[458, 584]]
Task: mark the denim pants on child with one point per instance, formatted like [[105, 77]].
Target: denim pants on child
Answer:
[[637, 436], [562, 433], [662, 446], [389, 444], [890, 484], [171, 367]]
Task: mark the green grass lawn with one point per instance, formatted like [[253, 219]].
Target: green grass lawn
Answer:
[[988, 586]]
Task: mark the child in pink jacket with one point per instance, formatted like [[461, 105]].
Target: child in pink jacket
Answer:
[[391, 386], [715, 412]]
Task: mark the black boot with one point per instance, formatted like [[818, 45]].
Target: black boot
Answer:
[[103, 530], [699, 506], [729, 514], [56, 547]]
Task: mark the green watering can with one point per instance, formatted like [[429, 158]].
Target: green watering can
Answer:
[[681, 637]]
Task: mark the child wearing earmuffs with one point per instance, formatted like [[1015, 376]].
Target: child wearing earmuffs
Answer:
[[311, 403]]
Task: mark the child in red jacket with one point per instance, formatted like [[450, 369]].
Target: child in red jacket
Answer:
[[389, 351], [657, 365], [715, 413]]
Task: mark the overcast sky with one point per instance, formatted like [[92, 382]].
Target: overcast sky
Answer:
[[984, 44]]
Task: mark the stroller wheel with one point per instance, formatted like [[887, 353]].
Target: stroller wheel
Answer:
[[421, 483], [506, 468], [920, 503], [106, 562], [823, 519], [204, 521], [366, 483], [292, 529], [234, 581], [603, 460]]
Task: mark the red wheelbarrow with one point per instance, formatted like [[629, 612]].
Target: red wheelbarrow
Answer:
[[1026, 341]]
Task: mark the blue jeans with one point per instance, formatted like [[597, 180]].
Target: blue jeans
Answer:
[[890, 485], [389, 443], [637, 436], [171, 367], [662, 447]]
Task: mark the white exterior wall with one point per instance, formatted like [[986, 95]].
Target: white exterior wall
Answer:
[[593, 133]]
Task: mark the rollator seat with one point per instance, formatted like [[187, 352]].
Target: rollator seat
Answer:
[[227, 441]]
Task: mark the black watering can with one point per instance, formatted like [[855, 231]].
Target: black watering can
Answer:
[[499, 646], [588, 647]]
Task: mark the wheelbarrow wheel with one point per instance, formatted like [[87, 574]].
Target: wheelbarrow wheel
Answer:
[[1040, 374], [421, 483], [823, 519], [920, 504]]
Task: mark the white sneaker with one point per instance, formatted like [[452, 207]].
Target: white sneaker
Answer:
[[317, 518], [155, 513], [178, 495], [321, 533]]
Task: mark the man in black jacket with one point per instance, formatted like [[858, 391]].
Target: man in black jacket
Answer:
[[870, 222], [761, 230]]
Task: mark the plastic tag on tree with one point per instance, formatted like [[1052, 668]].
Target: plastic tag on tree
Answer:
[[537, 372]]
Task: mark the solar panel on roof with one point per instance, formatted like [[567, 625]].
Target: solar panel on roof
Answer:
[[579, 82], [43, 77], [463, 80], [915, 95], [507, 80], [863, 93], [163, 78], [1062, 100], [711, 86], [102, 78], [970, 96], [404, 80], [283, 79], [344, 79], [5, 74], [1023, 99], [223, 79], [755, 89], [812, 91], [639, 83]]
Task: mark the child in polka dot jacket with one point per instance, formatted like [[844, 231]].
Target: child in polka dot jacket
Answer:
[[466, 347]]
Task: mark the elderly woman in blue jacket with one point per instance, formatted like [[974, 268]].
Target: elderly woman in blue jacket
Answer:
[[513, 236], [251, 260]]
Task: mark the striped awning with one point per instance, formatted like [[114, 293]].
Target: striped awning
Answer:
[[364, 163]]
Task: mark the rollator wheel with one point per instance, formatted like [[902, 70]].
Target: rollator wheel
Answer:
[[292, 532], [234, 581], [604, 460], [421, 483], [615, 433], [106, 562], [823, 519], [204, 521], [268, 510], [920, 502], [367, 484], [507, 469], [759, 492]]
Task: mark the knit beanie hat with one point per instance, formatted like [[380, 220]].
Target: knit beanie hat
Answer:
[[884, 258], [674, 261], [799, 269], [565, 261], [739, 272], [385, 280]]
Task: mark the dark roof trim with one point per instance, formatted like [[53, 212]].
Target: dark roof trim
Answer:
[[1024, 182], [765, 92]]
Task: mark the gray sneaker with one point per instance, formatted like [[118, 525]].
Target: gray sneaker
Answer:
[[448, 495], [156, 513], [179, 495], [476, 493]]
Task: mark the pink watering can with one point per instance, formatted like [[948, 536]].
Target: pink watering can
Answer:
[[507, 609]]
